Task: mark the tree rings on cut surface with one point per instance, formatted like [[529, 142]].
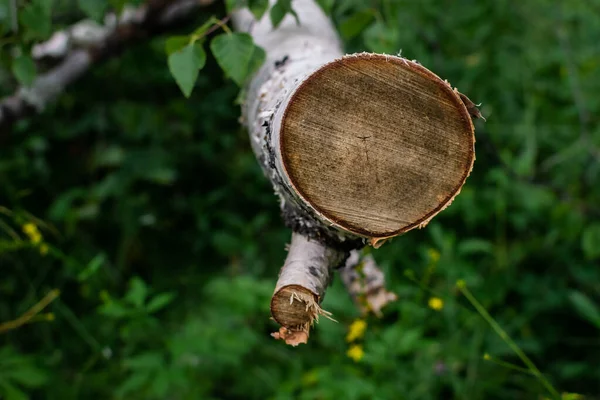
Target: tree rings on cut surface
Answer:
[[376, 144], [294, 306]]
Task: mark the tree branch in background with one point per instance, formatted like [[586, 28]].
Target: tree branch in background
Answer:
[[86, 43], [366, 283]]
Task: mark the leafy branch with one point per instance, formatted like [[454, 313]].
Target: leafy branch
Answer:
[[103, 42]]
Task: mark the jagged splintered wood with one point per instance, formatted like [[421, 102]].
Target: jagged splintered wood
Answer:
[[295, 303], [359, 148]]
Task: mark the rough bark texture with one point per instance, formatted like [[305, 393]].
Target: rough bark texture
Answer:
[[365, 283], [293, 53], [75, 50], [359, 148]]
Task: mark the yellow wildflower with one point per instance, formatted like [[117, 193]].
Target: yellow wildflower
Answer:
[[435, 303], [487, 357], [434, 255], [31, 230], [356, 330], [356, 352], [35, 239], [44, 249]]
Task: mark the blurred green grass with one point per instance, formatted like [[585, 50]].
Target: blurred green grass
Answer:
[[165, 239]]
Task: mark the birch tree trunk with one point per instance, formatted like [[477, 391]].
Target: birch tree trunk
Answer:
[[359, 148]]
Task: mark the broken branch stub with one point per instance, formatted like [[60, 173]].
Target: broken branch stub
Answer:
[[304, 277], [359, 148], [365, 282]]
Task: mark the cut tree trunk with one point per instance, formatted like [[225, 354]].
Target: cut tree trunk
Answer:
[[359, 148]]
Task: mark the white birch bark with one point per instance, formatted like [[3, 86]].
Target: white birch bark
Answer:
[[294, 51], [337, 192]]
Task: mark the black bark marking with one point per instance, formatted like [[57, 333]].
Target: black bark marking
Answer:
[[270, 151], [282, 62]]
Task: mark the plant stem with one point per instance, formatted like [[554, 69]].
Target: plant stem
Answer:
[[504, 336]]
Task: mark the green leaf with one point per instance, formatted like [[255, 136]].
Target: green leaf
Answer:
[[23, 68], [36, 19], [231, 5], [585, 307], [118, 5], [138, 291], [161, 382], [590, 242], [471, 246], [65, 203], [10, 392], [114, 309], [159, 301], [133, 384], [95, 9], [149, 360], [92, 267], [258, 7], [237, 55], [27, 375], [356, 23], [326, 5], [280, 10], [176, 43], [185, 64]]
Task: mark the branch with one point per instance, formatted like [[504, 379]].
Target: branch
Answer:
[[301, 286], [87, 43], [366, 283]]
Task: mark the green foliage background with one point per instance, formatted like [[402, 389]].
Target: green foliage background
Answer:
[[165, 239]]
